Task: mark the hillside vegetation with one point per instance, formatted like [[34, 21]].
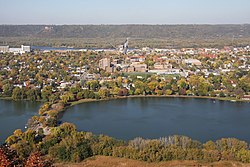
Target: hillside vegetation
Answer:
[[121, 31], [140, 35]]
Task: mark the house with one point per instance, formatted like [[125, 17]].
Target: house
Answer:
[[140, 67], [191, 62], [162, 66], [104, 63], [246, 97]]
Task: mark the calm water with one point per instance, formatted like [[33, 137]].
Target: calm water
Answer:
[[200, 119], [14, 115], [63, 48]]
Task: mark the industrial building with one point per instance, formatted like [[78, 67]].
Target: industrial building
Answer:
[[23, 49]]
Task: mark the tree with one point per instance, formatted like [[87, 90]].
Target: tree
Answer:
[[119, 81], [75, 90], [73, 147], [80, 95], [152, 86], [93, 85], [7, 89], [35, 160], [244, 83], [243, 156], [31, 94], [67, 97], [46, 93], [4, 161], [140, 87], [115, 90], [182, 83], [8, 157], [168, 92], [64, 130], [54, 97], [123, 92], [239, 93], [17, 93], [222, 94], [23, 149], [174, 88], [23, 93], [18, 133], [103, 93], [199, 85], [29, 136]]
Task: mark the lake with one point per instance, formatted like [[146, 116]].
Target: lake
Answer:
[[14, 115], [154, 117]]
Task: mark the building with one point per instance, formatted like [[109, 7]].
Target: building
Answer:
[[25, 48], [104, 63], [162, 66], [191, 62], [4, 49], [246, 97], [21, 50], [140, 67]]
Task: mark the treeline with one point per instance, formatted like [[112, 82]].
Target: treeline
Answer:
[[151, 85], [65, 144], [121, 31]]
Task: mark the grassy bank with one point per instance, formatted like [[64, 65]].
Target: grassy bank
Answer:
[[105, 161], [5, 98]]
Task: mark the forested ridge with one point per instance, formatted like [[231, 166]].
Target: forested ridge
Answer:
[[121, 31], [141, 35]]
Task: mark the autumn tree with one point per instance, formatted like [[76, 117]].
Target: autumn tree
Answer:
[[36, 160], [17, 93]]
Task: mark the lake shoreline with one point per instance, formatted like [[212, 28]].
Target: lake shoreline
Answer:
[[201, 119], [156, 96], [138, 96]]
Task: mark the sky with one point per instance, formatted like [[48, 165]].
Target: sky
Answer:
[[124, 12]]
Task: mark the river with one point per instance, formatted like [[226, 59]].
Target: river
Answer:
[[153, 117], [14, 115], [48, 48]]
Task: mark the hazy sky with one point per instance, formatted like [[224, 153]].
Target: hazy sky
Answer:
[[124, 11]]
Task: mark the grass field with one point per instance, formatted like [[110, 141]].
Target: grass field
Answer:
[[104, 161]]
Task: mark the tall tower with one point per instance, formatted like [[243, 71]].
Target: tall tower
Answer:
[[125, 47]]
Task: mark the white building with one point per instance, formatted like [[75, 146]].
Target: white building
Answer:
[[23, 49], [4, 49], [191, 62]]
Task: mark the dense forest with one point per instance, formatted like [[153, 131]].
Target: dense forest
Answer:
[[65, 144], [121, 31], [141, 35]]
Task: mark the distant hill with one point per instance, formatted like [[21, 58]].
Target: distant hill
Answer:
[[141, 35], [122, 31]]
